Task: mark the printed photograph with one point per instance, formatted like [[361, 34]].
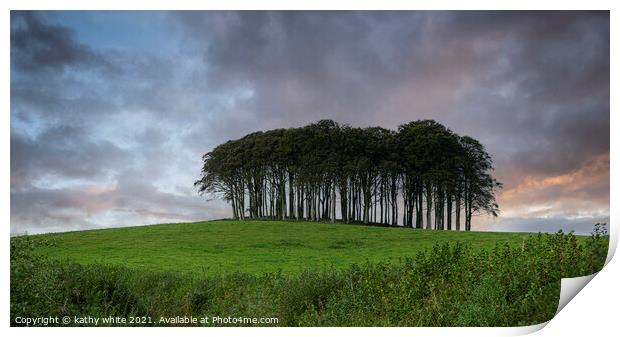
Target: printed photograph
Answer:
[[305, 168]]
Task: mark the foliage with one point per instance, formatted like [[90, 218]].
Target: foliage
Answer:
[[450, 284], [319, 170]]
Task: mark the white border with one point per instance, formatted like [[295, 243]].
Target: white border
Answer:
[[592, 311]]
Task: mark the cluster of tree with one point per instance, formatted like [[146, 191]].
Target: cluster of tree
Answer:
[[365, 175]]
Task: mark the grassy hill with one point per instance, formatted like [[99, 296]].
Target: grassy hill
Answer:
[[217, 247], [401, 277]]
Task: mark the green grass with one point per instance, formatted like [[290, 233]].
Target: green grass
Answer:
[[255, 247], [333, 274]]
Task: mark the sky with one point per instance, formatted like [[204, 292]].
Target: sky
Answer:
[[112, 111]]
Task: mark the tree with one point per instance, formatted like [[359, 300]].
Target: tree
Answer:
[[303, 173], [478, 184]]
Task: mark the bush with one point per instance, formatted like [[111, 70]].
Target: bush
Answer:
[[449, 285]]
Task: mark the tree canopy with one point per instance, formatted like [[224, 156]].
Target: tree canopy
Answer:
[[421, 176]]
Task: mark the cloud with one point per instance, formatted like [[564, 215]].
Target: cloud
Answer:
[[523, 82], [85, 206], [581, 191], [124, 126], [94, 135], [38, 46], [61, 153]]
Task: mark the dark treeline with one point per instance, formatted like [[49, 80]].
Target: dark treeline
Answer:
[[422, 176]]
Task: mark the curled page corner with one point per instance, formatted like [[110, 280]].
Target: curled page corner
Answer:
[[570, 287], [526, 330], [613, 243]]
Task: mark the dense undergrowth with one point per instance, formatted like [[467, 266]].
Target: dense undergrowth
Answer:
[[448, 285]]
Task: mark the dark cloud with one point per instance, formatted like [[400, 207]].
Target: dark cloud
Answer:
[[36, 45], [298, 67], [528, 77], [95, 122]]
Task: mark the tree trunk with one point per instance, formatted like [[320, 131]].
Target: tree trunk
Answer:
[[457, 215], [333, 200], [429, 207], [449, 211]]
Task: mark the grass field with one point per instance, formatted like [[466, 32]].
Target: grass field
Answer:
[[218, 247], [301, 273]]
